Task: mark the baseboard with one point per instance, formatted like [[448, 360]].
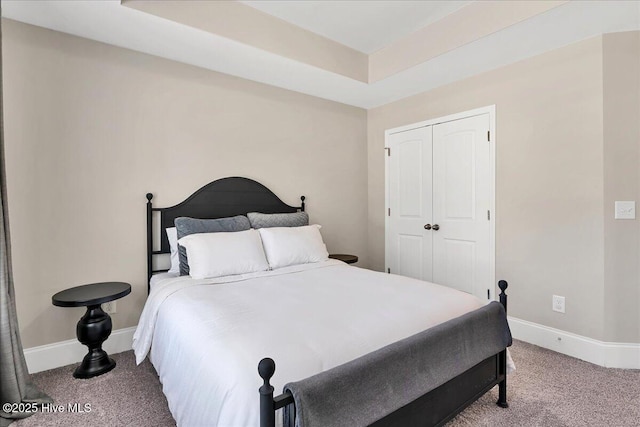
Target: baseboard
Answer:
[[49, 356], [607, 354]]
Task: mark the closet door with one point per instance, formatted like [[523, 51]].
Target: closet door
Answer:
[[409, 245], [461, 204]]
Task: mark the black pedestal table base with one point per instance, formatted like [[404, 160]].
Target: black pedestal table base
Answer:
[[93, 329]]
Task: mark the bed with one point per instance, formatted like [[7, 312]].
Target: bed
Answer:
[[332, 328]]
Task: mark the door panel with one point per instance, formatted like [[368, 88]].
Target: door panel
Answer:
[[459, 253], [459, 177], [461, 199], [409, 246], [410, 191], [410, 255]]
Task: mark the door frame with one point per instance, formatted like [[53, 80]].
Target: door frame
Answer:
[[491, 110]]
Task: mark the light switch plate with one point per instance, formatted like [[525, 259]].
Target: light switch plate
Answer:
[[625, 210]]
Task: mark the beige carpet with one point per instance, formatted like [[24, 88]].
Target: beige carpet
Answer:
[[551, 389], [548, 389]]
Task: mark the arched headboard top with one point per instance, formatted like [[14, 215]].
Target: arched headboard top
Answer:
[[221, 198]]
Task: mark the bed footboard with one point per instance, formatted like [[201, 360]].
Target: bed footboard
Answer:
[[434, 408]]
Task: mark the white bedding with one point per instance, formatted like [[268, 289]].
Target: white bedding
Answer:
[[209, 335], [159, 277]]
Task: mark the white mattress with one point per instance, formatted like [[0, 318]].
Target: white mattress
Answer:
[[208, 336]]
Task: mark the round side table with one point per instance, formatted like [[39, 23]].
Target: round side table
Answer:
[[349, 259], [95, 326]]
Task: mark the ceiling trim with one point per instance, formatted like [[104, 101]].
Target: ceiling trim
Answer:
[[363, 25], [109, 22], [250, 26], [472, 22]]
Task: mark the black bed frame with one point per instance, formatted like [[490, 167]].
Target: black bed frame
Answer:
[[238, 196]]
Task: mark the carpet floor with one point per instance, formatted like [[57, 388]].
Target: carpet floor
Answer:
[[548, 389]]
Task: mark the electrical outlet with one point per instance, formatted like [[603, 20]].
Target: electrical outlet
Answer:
[[625, 210], [557, 304], [109, 307]]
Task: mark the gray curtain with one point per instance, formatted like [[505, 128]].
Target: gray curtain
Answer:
[[15, 384]]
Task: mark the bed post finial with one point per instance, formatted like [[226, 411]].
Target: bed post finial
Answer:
[[503, 285], [266, 369], [302, 206]]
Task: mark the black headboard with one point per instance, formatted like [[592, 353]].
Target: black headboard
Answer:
[[219, 199]]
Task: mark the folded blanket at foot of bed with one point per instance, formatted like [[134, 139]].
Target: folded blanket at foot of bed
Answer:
[[370, 387]]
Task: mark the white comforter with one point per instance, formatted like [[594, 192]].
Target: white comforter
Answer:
[[209, 335]]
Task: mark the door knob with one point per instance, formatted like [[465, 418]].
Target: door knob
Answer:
[[427, 226], [436, 227]]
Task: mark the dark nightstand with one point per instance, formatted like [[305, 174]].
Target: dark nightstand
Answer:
[[349, 259], [95, 326]]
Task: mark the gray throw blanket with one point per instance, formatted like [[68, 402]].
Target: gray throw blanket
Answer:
[[366, 389]]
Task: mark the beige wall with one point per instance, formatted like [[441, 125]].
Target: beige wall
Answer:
[[549, 193], [91, 128], [621, 182]]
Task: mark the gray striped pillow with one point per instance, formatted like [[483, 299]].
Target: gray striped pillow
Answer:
[[260, 220]]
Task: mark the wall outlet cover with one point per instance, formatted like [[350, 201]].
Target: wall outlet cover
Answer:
[[625, 209], [557, 304], [109, 307]]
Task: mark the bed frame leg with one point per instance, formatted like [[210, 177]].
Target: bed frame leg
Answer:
[[502, 385], [502, 398], [502, 358], [266, 369]]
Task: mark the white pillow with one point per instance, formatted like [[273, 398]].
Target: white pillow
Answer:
[[224, 254], [172, 236], [293, 245]]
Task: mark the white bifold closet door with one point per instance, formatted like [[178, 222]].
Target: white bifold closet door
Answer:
[[439, 204]]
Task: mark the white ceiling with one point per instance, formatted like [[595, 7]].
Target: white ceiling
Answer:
[[109, 22], [362, 25]]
